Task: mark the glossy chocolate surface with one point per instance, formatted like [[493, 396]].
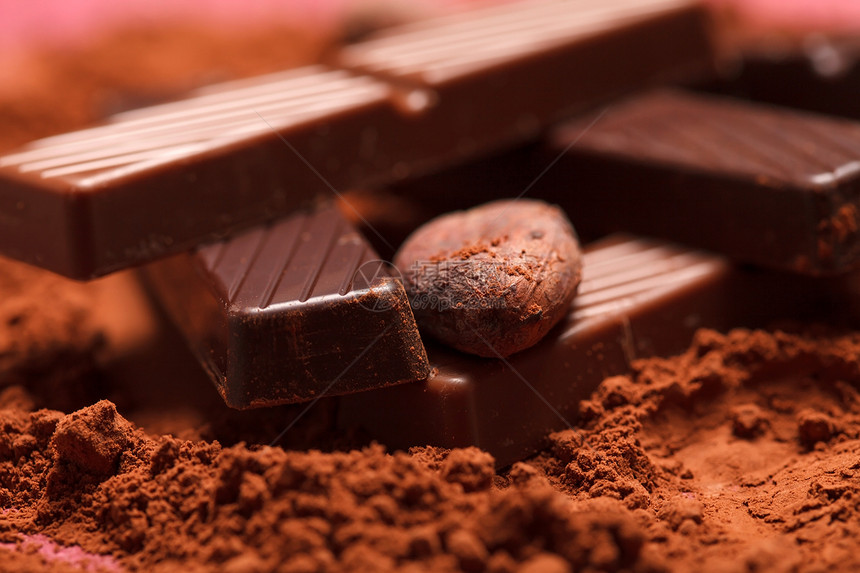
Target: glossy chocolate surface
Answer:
[[765, 185], [292, 311], [822, 76], [164, 179]]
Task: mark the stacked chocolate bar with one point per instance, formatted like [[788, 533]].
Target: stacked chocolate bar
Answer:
[[230, 198]]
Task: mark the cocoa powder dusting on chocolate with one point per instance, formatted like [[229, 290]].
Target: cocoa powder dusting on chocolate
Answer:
[[475, 277], [837, 231]]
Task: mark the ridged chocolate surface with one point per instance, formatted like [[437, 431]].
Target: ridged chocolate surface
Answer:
[[292, 311], [165, 179], [638, 298], [731, 137], [763, 184], [141, 140], [290, 261], [622, 274], [478, 39]]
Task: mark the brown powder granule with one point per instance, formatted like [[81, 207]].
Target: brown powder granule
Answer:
[[92, 439]]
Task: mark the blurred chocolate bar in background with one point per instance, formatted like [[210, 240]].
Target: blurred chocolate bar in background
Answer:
[[821, 75], [490, 78]]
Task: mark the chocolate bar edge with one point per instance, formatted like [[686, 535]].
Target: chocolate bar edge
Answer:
[[330, 343]]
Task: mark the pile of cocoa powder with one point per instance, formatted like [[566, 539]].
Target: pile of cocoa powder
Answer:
[[742, 454]]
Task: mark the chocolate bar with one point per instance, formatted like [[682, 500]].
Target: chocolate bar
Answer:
[[638, 298], [823, 76], [164, 179], [501, 74], [764, 185], [292, 311]]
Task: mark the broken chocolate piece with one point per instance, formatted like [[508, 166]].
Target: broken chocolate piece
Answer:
[[638, 298], [492, 280], [764, 185], [292, 311]]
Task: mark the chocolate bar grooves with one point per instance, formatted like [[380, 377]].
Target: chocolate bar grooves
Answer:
[[843, 144], [248, 243], [361, 255], [800, 148], [499, 33], [638, 268], [280, 314], [737, 148], [279, 244], [192, 126], [624, 296], [320, 263], [824, 153], [288, 248]]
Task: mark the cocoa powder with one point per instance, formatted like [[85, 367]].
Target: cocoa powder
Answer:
[[158, 503], [48, 340], [741, 454], [655, 478]]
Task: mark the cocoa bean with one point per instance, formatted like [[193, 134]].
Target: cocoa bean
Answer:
[[492, 280]]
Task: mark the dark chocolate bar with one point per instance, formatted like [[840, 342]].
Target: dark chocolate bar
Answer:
[[167, 178], [764, 185], [292, 311], [499, 75], [822, 76], [638, 298]]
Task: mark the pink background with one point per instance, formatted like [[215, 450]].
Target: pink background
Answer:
[[832, 15], [24, 22]]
